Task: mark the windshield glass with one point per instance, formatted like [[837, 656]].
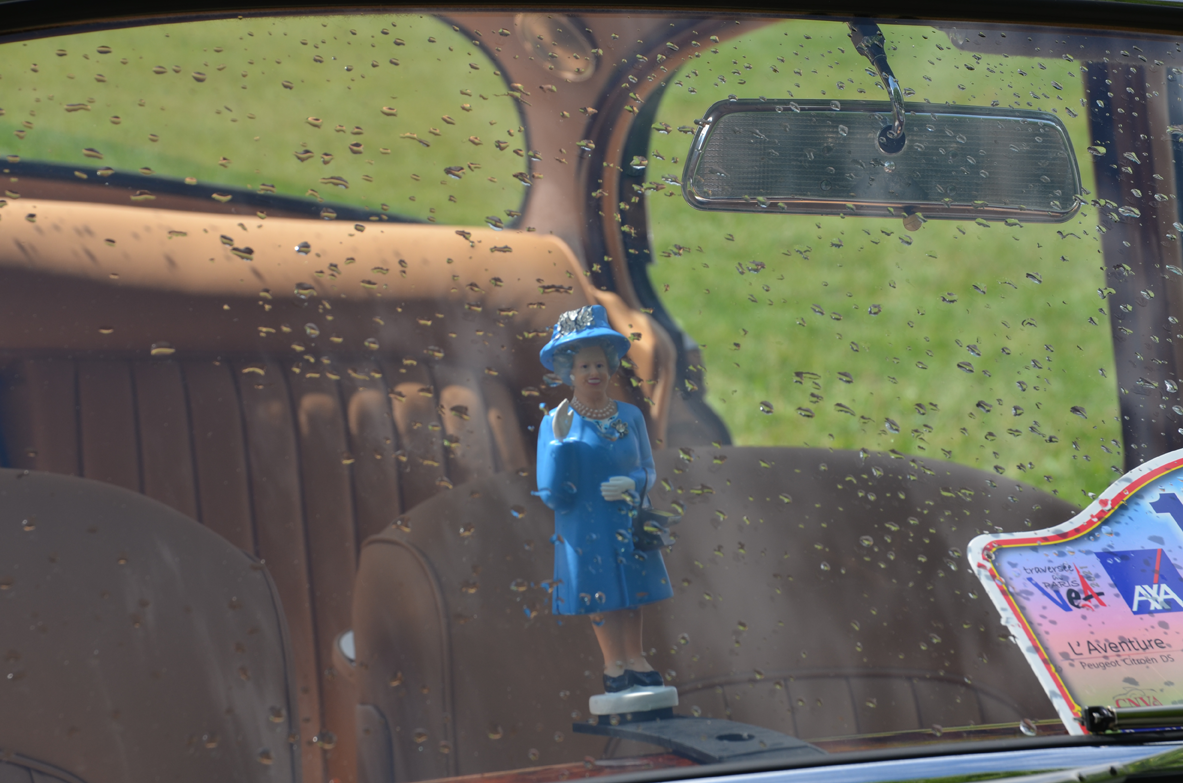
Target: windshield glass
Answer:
[[404, 396]]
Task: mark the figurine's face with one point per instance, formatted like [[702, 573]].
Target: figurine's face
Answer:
[[589, 375]]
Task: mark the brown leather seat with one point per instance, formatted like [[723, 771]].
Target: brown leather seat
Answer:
[[137, 645], [295, 404], [817, 593]]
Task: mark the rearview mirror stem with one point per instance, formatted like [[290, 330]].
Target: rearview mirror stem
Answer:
[[869, 41]]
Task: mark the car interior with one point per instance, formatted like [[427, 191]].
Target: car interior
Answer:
[[335, 567]]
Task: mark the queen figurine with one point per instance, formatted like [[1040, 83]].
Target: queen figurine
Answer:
[[595, 468]]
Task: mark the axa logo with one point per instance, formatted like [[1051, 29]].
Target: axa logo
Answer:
[[1146, 579]]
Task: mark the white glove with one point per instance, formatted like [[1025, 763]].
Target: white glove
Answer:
[[561, 421], [617, 488]]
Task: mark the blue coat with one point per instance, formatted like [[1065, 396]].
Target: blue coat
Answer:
[[596, 567]]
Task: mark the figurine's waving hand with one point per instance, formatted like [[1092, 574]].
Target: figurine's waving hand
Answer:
[[561, 420]]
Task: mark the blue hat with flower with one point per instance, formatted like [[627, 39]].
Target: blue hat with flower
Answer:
[[587, 324]]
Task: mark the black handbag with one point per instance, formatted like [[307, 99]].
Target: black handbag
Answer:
[[651, 529]]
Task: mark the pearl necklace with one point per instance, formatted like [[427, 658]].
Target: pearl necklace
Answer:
[[593, 413]]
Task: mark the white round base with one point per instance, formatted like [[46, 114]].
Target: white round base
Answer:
[[638, 698]]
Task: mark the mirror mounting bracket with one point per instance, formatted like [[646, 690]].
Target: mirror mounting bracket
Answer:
[[868, 39]]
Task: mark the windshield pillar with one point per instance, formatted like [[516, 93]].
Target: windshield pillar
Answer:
[[1140, 246]]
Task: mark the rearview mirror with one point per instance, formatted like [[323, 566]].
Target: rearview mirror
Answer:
[[826, 158]]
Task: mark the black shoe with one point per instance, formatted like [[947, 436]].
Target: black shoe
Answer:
[[617, 684], [650, 679]]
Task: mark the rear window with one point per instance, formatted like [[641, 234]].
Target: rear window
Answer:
[[405, 116], [983, 343]]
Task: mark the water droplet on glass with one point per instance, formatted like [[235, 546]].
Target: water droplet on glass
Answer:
[[312, 330], [519, 585], [835, 105], [304, 291], [1079, 411], [891, 426], [533, 753], [843, 130], [825, 566], [937, 730], [889, 166], [765, 406], [517, 511], [327, 740], [1172, 387], [162, 349], [265, 757], [1096, 150], [419, 736], [371, 343], [495, 732], [277, 715], [866, 541], [875, 309], [1027, 726]]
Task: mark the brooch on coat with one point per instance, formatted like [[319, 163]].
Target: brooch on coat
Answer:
[[611, 430]]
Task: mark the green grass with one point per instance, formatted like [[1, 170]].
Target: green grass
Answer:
[[261, 85], [783, 335]]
